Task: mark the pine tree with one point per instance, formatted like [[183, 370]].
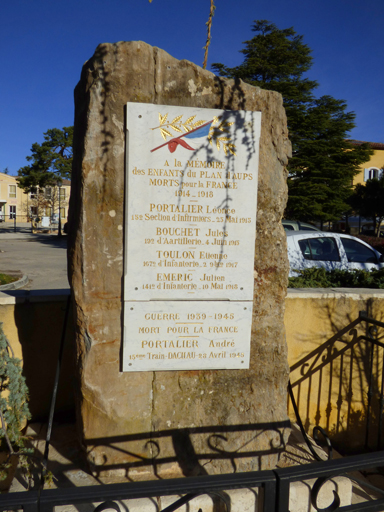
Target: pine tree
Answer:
[[323, 162], [368, 201], [50, 161]]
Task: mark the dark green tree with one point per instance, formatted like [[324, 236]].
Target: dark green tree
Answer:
[[323, 162], [50, 161], [368, 201]]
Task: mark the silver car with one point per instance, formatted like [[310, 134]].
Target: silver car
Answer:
[[330, 251], [295, 225]]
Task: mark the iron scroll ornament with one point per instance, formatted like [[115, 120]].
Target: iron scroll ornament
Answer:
[[107, 505], [315, 492], [316, 430]]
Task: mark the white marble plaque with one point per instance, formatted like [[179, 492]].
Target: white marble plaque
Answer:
[[191, 203], [191, 190], [182, 335]]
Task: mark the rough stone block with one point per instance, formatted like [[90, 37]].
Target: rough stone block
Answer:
[[142, 425]]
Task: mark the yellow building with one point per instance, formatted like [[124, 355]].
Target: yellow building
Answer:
[[15, 203], [46, 202], [374, 167], [11, 197]]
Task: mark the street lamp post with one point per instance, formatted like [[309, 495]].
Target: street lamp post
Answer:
[[59, 185]]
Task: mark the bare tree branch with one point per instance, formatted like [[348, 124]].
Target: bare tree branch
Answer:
[[209, 26]]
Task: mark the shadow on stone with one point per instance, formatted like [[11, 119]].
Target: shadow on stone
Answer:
[[188, 452]]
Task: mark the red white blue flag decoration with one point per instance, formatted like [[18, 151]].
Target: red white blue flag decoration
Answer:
[[195, 133]]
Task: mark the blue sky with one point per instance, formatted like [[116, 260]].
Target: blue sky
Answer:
[[44, 45]]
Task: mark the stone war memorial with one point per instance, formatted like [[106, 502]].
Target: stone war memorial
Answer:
[[178, 267]]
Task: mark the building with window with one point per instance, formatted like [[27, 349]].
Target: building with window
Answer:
[[15, 203], [47, 202], [374, 167], [11, 199]]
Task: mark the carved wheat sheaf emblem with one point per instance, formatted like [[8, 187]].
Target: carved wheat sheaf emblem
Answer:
[[194, 133]]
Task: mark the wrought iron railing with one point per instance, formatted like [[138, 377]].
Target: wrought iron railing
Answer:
[[272, 488], [339, 385]]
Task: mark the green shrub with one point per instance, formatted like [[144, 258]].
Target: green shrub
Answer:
[[321, 278], [13, 407]]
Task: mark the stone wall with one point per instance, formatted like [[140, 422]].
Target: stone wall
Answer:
[[180, 422]]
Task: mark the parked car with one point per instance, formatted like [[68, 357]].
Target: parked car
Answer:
[[330, 251], [295, 225], [357, 224], [369, 231]]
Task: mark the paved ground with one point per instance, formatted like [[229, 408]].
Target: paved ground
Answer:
[[43, 257]]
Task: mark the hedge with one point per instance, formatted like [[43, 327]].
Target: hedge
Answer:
[[321, 278]]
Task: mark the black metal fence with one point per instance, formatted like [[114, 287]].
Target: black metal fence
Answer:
[[273, 489], [12, 223], [339, 385]]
